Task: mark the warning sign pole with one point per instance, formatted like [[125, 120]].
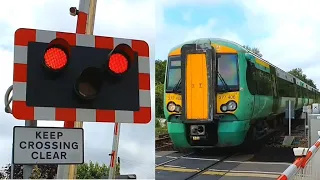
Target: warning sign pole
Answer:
[[85, 25], [27, 169], [114, 153]]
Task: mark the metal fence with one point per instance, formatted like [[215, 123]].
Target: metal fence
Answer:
[[307, 164]]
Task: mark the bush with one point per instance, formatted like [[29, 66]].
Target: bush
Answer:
[[84, 171]]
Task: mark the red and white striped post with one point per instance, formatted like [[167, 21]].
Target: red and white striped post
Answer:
[[85, 24], [114, 153]]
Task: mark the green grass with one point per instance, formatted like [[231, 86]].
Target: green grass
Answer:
[[161, 130]]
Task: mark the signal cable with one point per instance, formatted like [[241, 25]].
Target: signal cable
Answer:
[[8, 100]]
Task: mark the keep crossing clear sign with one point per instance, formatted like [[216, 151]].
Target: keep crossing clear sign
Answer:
[[48, 145]]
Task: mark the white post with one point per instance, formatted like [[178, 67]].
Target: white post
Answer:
[[305, 124], [62, 172], [114, 153], [12, 163], [289, 116], [27, 169], [309, 134]]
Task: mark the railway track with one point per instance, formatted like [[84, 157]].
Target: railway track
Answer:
[[210, 163], [163, 143], [210, 166]]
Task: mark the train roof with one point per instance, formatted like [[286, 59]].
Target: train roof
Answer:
[[240, 48]]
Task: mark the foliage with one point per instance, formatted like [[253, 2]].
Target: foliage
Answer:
[[84, 171], [297, 72], [159, 100], [160, 71], [158, 123], [39, 171], [160, 75], [94, 171], [160, 129], [254, 50]]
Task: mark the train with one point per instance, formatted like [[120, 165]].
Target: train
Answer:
[[219, 94]]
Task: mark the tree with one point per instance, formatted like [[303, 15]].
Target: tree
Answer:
[[159, 100], [298, 73], [84, 171], [94, 171], [158, 123], [2, 175], [160, 71], [160, 75], [254, 50], [39, 171]]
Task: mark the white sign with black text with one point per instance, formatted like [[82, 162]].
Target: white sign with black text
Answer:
[[48, 145]]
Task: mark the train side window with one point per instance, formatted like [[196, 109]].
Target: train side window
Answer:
[[264, 83], [250, 74], [299, 91], [282, 87]]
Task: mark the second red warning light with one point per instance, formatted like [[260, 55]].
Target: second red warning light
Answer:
[[118, 63], [119, 60]]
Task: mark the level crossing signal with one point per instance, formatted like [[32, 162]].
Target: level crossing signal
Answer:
[[75, 77]]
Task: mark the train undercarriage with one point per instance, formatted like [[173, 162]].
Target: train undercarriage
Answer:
[[205, 134]]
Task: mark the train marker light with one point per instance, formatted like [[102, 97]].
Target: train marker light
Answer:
[[232, 105], [171, 106], [229, 106], [223, 108], [178, 108]]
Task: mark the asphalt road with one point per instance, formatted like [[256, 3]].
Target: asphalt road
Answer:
[[171, 165]]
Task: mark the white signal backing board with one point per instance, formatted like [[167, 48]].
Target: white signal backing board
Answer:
[[48, 145]]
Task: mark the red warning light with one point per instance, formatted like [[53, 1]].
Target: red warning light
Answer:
[[55, 59], [118, 63]]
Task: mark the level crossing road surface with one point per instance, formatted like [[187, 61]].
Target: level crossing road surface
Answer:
[[178, 166]]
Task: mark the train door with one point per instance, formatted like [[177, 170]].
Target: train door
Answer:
[[275, 105], [196, 87], [253, 88], [196, 81]]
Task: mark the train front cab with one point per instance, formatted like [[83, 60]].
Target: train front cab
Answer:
[[194, 125]]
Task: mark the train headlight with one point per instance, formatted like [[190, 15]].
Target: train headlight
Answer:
[[194, 129], [223, 108], [178, 109], [201, 129], [171, 106], [232, 105]]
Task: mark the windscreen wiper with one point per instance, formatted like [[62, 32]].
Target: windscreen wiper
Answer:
[[177, 86], [226, 87]]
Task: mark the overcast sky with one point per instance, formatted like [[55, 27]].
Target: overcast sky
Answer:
[[286, 32]]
